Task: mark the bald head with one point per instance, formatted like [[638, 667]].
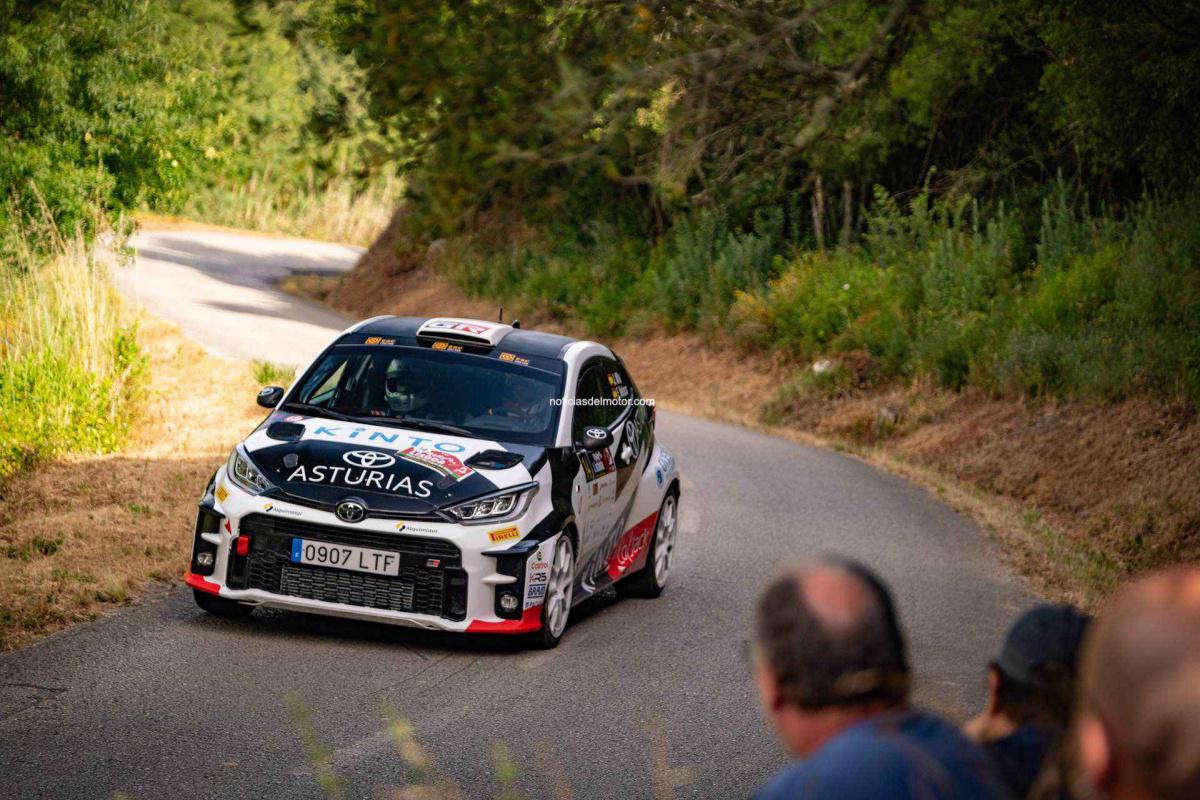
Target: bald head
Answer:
[[1141, 686], [828, 633]]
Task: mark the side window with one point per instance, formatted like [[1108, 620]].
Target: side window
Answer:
[[585, 411], [593, 391], [618, 386]]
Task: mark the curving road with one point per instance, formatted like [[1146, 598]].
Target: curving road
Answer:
[[644, 698]]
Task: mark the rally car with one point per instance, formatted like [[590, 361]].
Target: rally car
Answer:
[[448, 474]]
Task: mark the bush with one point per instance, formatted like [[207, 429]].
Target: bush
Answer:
[[68, 367], [1092, 307]]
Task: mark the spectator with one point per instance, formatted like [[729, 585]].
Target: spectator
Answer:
[[1138, 726], [1031, 689], [834, 679]]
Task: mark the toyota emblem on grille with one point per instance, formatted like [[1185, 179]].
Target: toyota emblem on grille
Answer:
[[368, 459], [351, 510]]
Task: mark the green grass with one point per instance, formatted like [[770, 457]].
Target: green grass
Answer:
[[69, 368], [268, 374]]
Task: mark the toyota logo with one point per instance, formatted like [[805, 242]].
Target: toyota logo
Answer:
[[351, 510], [368, 459], [596, 433]]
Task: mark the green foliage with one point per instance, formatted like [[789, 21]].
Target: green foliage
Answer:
[[268, 374], [68, 367], [123, 104], [1105, 309]]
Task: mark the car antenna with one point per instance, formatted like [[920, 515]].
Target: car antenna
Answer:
[[501, 317]]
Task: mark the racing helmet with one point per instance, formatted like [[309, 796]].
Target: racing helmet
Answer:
[[406, 387]]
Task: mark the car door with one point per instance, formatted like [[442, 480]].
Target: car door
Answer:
[[595, 511]]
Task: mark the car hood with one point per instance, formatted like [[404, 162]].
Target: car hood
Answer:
[[390, 469]]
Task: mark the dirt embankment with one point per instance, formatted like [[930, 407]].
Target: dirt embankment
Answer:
[[1079, 495]]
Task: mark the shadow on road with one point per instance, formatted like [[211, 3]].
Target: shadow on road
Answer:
[[274, 623]]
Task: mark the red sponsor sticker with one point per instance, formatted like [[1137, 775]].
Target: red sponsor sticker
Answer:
[[437, 461], [632, 547]]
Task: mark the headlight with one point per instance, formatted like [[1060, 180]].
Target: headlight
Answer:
[[495, 507], [243, 473]]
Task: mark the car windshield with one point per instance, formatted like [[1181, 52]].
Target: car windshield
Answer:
[[450, 392]]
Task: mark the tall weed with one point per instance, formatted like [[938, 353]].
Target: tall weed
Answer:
[[340, 209], [68, 367]]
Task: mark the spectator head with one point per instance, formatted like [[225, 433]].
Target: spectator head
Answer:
[[1138, 726], [829, 652], [1032, 681]]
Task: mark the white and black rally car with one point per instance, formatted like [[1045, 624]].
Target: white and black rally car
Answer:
[[448, 474]]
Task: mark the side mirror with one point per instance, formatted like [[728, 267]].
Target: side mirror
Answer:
[[595, 439], [270, 396]]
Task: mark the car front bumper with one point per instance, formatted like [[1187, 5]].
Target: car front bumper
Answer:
[[451, 576]]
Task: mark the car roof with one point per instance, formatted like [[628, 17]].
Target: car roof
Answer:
[[514, 340]]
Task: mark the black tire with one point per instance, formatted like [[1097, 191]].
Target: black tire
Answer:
[[545, 638], [645, 582], [220, 606]]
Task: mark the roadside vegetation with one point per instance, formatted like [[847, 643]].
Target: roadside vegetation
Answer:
[[86, 532], [241, 114]]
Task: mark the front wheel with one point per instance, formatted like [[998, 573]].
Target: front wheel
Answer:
[[560, 590], [650, 580], [220, 606]]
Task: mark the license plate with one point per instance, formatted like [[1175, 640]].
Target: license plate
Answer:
[[344, 556]]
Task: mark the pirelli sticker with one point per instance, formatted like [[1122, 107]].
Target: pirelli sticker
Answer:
[[505, 534], [221, 493], [378, 340]]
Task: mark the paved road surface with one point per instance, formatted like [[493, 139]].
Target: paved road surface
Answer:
[[161, 700]]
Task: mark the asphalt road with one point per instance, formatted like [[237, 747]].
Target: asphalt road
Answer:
[[644, 698]]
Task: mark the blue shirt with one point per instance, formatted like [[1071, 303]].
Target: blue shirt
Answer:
[[908, 754], [1018, 757]]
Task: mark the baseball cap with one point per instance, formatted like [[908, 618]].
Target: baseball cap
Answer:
[[1044, 639]]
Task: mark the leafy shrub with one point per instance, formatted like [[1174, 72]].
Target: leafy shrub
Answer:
[[1092, 307]]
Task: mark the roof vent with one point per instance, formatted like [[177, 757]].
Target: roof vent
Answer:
[[471, 331]]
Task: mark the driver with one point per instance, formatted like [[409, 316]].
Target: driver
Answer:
[[525, 405], [407, 386]]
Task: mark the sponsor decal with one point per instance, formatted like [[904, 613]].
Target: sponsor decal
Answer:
[[597, 464], [221, 493], [505, 534], [537, 591], [658, 476], [368, 459], [288, 512], [433, 563], [539, 565], [632, 446], [631, 546], [342, 433], [513, 358], [441, 463], [666, 462], [378, 340], [453, 348], [408, 527], [537, 577], [464, 327], [295, 418], [364, 478]]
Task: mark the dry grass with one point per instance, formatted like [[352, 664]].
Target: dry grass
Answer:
[[85, 534], [340, 210]]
